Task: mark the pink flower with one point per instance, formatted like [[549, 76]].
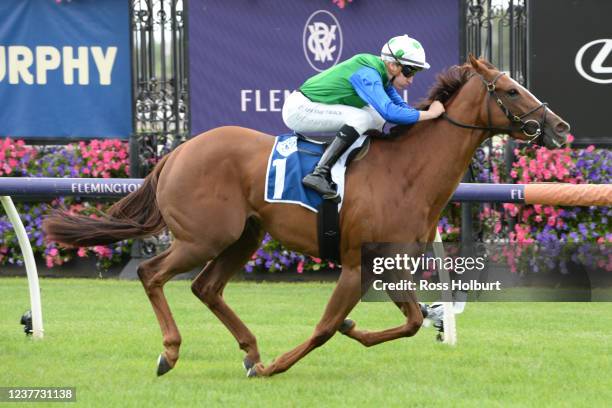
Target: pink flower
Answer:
[[82, 252], [107, 156], [103, 251], [511, 208], [341, 3], [53, 252], [497, 227], [300, 267]]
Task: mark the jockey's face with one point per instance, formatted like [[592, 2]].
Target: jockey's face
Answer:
[[401, 81]]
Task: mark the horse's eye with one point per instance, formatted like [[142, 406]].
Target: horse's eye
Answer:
[[513, 92]]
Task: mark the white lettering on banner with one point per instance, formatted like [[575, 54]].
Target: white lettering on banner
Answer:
[[96, 188], [274, 99], [20, 58], [104, 63], [47, 58], [27, 66], [517, 194], [81, 63], [263, 100], [269, 100]]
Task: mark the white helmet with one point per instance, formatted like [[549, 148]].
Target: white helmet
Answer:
[[404, 50]]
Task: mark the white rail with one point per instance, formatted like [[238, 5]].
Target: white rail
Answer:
[[28, 256]]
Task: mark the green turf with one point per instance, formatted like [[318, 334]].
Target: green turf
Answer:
[[102, 338]]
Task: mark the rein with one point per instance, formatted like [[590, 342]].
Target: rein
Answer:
[[531, 128]]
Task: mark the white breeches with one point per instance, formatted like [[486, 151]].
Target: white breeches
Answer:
[[300, 114]]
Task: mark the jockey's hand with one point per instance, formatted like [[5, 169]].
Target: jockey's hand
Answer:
[[436, 109]]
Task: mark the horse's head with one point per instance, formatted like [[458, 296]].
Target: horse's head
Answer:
[[511, 108]]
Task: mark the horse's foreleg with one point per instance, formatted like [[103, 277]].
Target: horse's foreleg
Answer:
[[414, 321], [209, 284], [411, 309], [344, 298], [154, 273]]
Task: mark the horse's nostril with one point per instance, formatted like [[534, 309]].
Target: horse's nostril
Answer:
[[562, 127]]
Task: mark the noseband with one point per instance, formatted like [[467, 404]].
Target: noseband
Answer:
[[531, 128]]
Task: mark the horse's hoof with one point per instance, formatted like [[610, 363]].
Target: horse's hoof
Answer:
[[247, 364], [346, 326], [251, 372], [162, 365]]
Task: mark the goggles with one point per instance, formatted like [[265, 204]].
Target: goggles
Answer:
[[407, 70]]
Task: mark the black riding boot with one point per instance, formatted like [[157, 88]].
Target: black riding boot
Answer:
[[320, 179]]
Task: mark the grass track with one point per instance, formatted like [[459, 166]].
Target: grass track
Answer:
[[102, 337]]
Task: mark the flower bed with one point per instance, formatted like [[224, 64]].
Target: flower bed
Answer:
[[562, 234], [108, 158]]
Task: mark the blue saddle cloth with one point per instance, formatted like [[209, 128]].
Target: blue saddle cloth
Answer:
[[291, 159]]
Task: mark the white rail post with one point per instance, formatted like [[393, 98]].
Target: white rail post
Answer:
[[28, 256], [450, 327]]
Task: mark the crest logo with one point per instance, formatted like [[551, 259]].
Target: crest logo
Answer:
[[597, 61], [322, 40], [287, 147]]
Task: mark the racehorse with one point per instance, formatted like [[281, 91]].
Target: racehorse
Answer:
[[209, 192]]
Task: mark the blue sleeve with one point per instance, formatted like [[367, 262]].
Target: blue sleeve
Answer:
[[395, 97], [368, 84]]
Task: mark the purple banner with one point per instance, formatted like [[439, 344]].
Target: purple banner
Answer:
[[246, 56]]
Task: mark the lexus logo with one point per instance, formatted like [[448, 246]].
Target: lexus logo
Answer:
[[604, 73]]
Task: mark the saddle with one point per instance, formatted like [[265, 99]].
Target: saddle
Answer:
[[355, 155]]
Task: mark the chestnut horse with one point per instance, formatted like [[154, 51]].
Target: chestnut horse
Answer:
[[209, 193]]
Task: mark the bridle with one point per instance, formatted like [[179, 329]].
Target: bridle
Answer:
[[531, 128]]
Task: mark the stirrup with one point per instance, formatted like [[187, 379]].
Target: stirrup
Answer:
[[333, 198], [324, 192]]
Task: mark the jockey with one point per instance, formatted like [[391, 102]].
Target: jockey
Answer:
[[354, 96]]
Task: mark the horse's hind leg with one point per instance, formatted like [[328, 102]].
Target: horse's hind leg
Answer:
[[154, 273], [209, 284], [414, 321]]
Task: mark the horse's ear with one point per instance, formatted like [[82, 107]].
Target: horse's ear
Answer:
[[474, 62]]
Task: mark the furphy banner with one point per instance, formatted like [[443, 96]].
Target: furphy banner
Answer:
[[246, 57], [65, 69]]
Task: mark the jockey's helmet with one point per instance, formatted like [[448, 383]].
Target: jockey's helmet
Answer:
[[407, 52]]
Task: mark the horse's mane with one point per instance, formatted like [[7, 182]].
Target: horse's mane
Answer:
[[447, 84]]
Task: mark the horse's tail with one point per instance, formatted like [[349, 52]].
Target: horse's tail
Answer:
[[136, 215]]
